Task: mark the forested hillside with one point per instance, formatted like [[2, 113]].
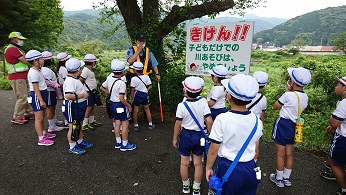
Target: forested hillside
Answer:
[[316, 28], [83, 25]]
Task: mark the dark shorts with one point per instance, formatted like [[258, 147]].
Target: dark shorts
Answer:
[[189, 141], [52, 101], [141, 98], [283, 131], [119, 111], [242, 180], [90, 100], [215, 112], [73, 111], [35, 103], [337, 150]]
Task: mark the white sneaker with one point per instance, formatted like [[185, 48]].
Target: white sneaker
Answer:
[[59, 123], [56, 128]]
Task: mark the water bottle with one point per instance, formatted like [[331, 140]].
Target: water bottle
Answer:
[[298, 135]]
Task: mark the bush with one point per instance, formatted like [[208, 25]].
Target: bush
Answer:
[[5, 83]]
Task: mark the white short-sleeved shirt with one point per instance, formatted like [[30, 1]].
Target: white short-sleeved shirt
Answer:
[[199, 107], [218, 94], [260, 106], [119, 88], [340, 114], [36, 77], [73, 85], [50, 75], [289, 102], [62, 74], [89, 78], [139, 85], [231, 129]]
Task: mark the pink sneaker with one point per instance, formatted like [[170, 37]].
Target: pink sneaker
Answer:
[[45, 142], [49, 135]]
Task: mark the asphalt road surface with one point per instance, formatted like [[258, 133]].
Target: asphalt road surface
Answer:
[[153, 168]]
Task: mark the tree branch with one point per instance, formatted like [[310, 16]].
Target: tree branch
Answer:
[[132, 15], [180, 14]]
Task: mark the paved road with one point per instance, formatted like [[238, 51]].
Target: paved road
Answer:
[[153, 168]]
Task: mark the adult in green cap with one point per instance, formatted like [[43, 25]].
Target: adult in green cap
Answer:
[[17, 67]]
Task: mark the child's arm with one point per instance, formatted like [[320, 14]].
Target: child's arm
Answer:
[[132, 93], [177, 127], [209, 123], [262, 116], [72, 96], [333, 124], [277, 105], [149, 87], [123, 101], [104, 90], [211, 103], [38, 94], [212, 153]]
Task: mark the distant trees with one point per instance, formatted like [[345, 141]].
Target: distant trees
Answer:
[[41, 21], [340, 42]]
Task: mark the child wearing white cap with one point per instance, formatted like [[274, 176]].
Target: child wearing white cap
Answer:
[[52, 84], [38, 96], [116, 88], [217, 94], [74, 105], [89, 80], [189, 133], [62, 57], [230, 131], [258, 105], [284, 125], [337, 126], [140, 86]]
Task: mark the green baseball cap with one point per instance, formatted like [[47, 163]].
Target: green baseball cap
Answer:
[[16, 35]]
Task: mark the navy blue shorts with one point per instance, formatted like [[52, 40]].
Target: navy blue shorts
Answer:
[[189, 141], [72, 111], [215, 112], [119, 111], [242, 180], [90, 100], [35, 103], [140, 98], [337, 150], [52, 101], [283, 131]]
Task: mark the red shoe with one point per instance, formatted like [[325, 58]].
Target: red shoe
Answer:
[[18, 121], [29, 116]]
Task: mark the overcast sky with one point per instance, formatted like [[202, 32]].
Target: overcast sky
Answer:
[[274, 8]]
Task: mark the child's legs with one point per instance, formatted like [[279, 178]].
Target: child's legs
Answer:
[[339, 173], [80, 131], [289, 156], [135, 114], [280, 157], [125, 131], [148, 113], [50, 112], [184, 167], [39, 124], [117, 128], [197, 161], [69, 133], [92, 108], [88, 111]]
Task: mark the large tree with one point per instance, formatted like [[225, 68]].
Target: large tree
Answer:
[[340, 42], [158, 18], [41, 21]]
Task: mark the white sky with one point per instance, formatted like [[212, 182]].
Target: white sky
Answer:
[[274, 8]]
